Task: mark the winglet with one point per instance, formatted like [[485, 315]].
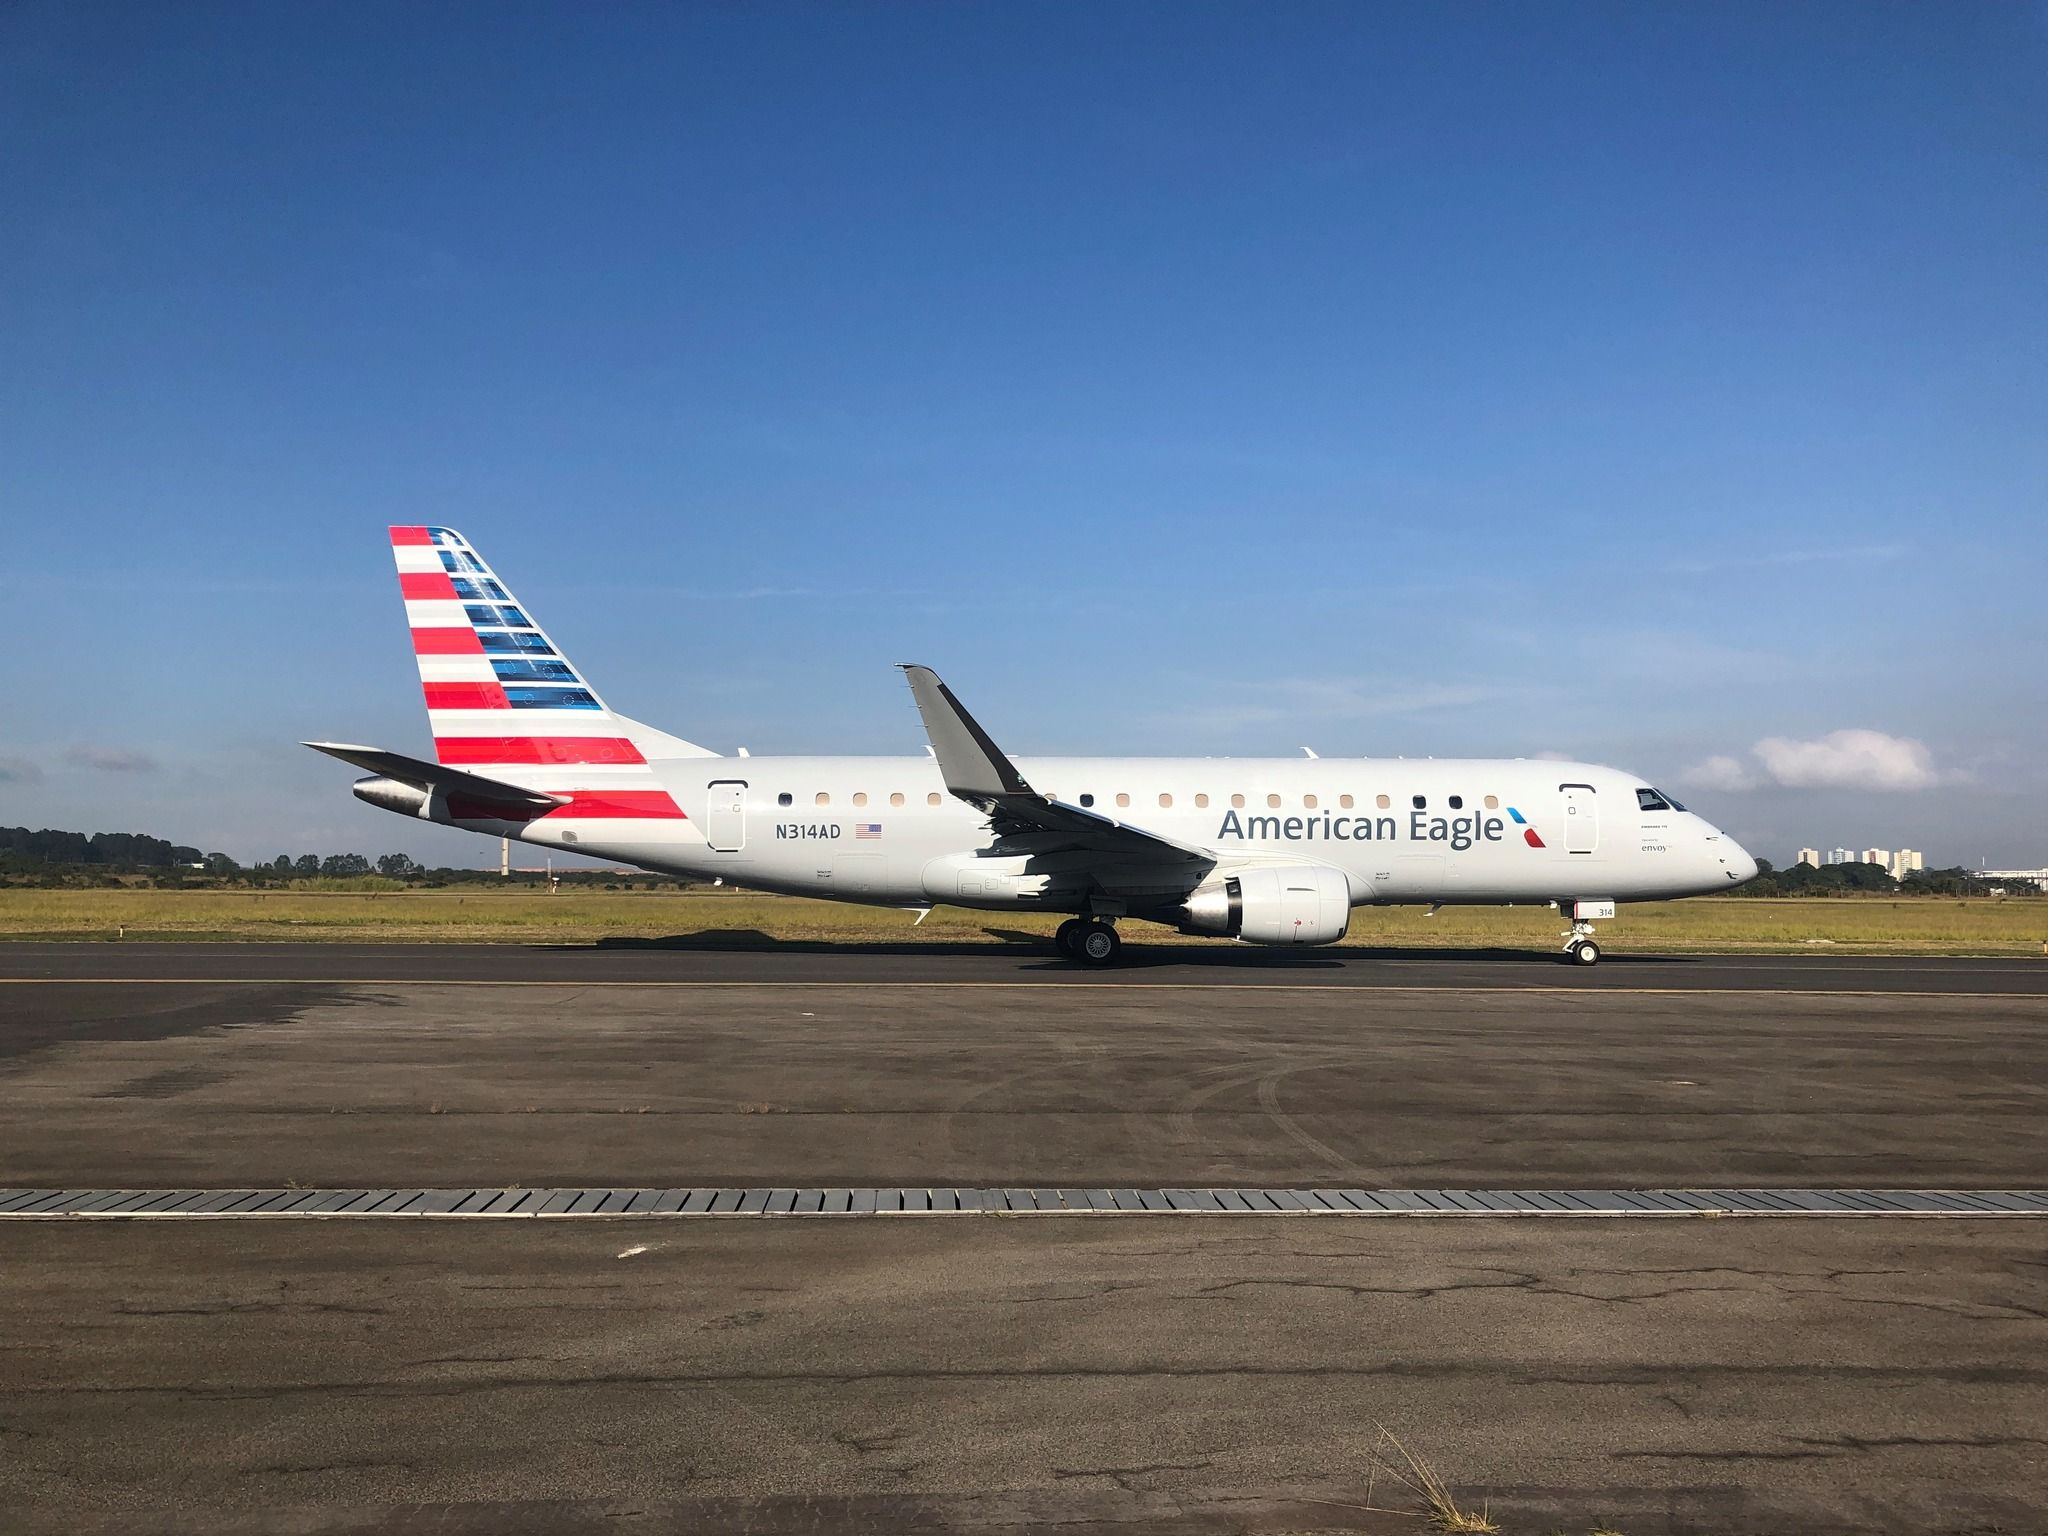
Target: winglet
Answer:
[[972, 765]]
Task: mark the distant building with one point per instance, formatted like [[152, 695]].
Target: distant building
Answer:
[[2037, 877], [1905, 861], [1841, 856], [1808, 856], [1881, 857]]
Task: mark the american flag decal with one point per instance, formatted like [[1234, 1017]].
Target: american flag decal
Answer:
[[863, 829]]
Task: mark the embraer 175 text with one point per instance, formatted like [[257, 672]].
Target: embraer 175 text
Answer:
[[1269, 851]]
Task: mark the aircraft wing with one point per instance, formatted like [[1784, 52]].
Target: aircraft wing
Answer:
[[977, 770], [432, 776]]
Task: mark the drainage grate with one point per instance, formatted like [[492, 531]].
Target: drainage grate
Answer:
[[244, 1204]]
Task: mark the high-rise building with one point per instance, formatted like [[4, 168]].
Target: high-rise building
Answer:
[[1809, 856], [1841, 856], [1881, 857], [1905, 861]]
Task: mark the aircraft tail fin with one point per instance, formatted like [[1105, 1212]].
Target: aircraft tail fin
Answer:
[[502, 699]]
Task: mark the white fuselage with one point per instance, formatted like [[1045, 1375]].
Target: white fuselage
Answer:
[[884, 829]]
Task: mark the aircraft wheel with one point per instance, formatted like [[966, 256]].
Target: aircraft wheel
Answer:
[[1065, 937], [1585, 952], [1097, 944]]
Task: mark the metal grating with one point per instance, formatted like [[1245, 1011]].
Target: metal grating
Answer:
[[451, 1203]]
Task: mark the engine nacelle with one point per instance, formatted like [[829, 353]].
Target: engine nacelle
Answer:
[[392, 795], [1276, 904]]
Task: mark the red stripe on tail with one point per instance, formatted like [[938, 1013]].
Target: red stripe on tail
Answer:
[[536, 749], [411, 536], [585, 804], [446, 642], [651, 804], [465, 696], [425, 584]]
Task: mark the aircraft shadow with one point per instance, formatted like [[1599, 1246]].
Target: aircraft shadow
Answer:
[[1136, 954]]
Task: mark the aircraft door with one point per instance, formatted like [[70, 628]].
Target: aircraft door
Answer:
[[1581, 818], [725, 815]]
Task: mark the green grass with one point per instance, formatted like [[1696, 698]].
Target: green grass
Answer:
[[1923, 925]]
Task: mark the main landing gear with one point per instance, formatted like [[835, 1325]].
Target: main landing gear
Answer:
[[1090, 941]]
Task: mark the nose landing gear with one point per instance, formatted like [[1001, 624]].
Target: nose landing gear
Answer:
[[1579, 948], [1089, 941]]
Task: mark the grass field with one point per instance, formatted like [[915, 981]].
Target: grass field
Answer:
[[1923, 925]]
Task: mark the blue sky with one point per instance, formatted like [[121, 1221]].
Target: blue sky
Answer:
[[1637, 383]]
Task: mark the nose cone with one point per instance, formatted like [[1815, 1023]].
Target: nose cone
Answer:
[[1737, 861]]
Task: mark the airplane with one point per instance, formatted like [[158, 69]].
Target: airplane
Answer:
[[1260, 850]]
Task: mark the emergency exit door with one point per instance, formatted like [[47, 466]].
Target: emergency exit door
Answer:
[[725, 816], [1581, 818]]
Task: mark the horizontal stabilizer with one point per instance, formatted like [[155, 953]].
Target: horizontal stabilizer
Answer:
[[432, 776]]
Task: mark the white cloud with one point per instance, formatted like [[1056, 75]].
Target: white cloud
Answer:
[[1852, 759], [1726, 774], [1849, 760]]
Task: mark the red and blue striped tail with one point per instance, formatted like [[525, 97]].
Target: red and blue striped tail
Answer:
[[502, 699]]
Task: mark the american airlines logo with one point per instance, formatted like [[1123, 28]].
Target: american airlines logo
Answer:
[[1461, 832]]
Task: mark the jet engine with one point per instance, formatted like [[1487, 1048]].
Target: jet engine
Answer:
[[1273, 904]]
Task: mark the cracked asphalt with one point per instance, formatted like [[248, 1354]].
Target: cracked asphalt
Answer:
[[1128, 1374], [226, 1083], [1732, 1375]]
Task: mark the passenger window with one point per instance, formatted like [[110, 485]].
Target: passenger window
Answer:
[[932, 798], [1165, 802], [785, 798], [1238, 801], [1273, 802], [1420, 802], [1087, 799], [1344, 802], [1457, 802], [1309, 801], [1493, 802], [1382, 802], [860, 797], [1201, 802], [822, 798], [896, 798], [1123, 800]]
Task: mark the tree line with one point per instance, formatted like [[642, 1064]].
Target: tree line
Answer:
[[1873, 880], [51, 857]]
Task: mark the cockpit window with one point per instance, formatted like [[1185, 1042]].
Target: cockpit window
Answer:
[[1650, 800], [1672, 801]]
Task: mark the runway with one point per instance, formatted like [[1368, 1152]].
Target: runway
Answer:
[[1122, 1369], [260, 1068], [734, 960]]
